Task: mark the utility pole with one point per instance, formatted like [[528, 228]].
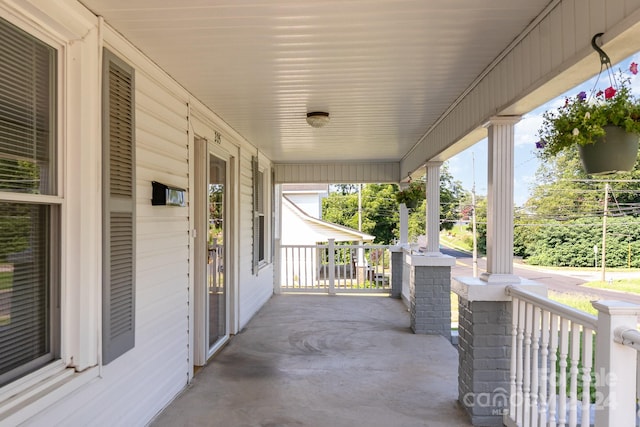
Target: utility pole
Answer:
[[473, 216], [604, 231]]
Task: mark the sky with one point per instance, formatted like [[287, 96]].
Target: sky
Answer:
[[525, 161]]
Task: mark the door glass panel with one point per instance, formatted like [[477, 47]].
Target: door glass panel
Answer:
[[217, 292]]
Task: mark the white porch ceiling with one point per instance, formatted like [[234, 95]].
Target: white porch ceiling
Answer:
[[385, 70]]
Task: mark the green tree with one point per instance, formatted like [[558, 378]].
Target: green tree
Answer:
[[562, 221], [451, 197], [379, 210]]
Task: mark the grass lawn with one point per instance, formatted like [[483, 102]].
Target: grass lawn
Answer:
[[577, 301], [458, 237], [454, 308], [6, 280], [624, 285]]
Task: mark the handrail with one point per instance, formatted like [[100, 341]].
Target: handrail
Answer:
[[566, 312], [627, 336]]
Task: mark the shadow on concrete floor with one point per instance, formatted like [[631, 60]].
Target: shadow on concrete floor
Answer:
[[318, 361]]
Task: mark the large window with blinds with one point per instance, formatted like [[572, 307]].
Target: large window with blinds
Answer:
[[29, 210]]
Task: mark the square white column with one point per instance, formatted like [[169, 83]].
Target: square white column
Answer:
[[433, 207], [500, 201]]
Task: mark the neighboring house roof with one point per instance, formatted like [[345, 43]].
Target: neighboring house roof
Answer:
[[301, 228]]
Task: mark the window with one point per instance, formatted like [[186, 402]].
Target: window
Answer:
[[29, 208], [118, 180], [258, 216]]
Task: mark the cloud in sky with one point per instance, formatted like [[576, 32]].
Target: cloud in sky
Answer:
[[526, 130]]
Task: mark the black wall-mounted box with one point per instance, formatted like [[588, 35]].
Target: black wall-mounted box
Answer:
[[165, 195]]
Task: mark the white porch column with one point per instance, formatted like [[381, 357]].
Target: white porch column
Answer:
[[404, 225], [433, 207], [500, 201]]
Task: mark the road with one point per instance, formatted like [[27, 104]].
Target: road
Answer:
[[565, 281]]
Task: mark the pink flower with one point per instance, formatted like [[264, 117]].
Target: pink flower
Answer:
[[609, 93], [633, 68], [599, 93]]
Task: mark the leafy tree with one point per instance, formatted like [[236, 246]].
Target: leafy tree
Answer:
[[16, 218], [341, 209], [379, 210], [380, 206], [562, 221], [451, 196], [481, 223]]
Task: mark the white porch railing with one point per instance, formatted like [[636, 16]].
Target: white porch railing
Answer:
[[334, 268], [558, 375], [551, 362]]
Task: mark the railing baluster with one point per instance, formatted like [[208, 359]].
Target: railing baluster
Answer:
[[587, 355], [515, 303], [534, 365], [307, 268], [519, 363], [562, 380], [544, 369], [574, 355], [553, 358], [526, 383], [284, 253], [298, 262]]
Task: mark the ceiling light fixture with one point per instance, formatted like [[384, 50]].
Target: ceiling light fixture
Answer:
[[317, 119]]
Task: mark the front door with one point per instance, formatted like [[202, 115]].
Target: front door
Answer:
[[212, 299]]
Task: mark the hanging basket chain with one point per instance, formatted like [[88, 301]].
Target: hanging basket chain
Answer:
[[605, 64]]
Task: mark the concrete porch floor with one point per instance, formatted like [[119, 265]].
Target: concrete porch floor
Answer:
[[315, 361]]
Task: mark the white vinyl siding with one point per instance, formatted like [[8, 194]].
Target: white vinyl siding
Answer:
[[138, 384], [134, 387], [330, 173], [254, 290]]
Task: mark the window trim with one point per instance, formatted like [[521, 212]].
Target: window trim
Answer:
[[76, 364], [56, 203], [261, 196]]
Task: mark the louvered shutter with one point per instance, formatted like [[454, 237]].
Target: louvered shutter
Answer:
[[118, 292], [256, 214]]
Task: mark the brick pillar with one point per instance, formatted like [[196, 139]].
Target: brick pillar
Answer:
[[484, 353], [396, 272], [430, 294], [484, 347]]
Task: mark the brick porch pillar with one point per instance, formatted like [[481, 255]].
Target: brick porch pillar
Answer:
[[484, 331], [430, 294], [396, 271]]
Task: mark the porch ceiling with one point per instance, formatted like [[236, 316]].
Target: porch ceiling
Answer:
[[385, 70]]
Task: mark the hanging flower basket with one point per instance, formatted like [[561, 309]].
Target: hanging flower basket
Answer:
[[613, 152], [605, 125]]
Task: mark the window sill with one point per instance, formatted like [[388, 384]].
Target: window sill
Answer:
[[24, 398]]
